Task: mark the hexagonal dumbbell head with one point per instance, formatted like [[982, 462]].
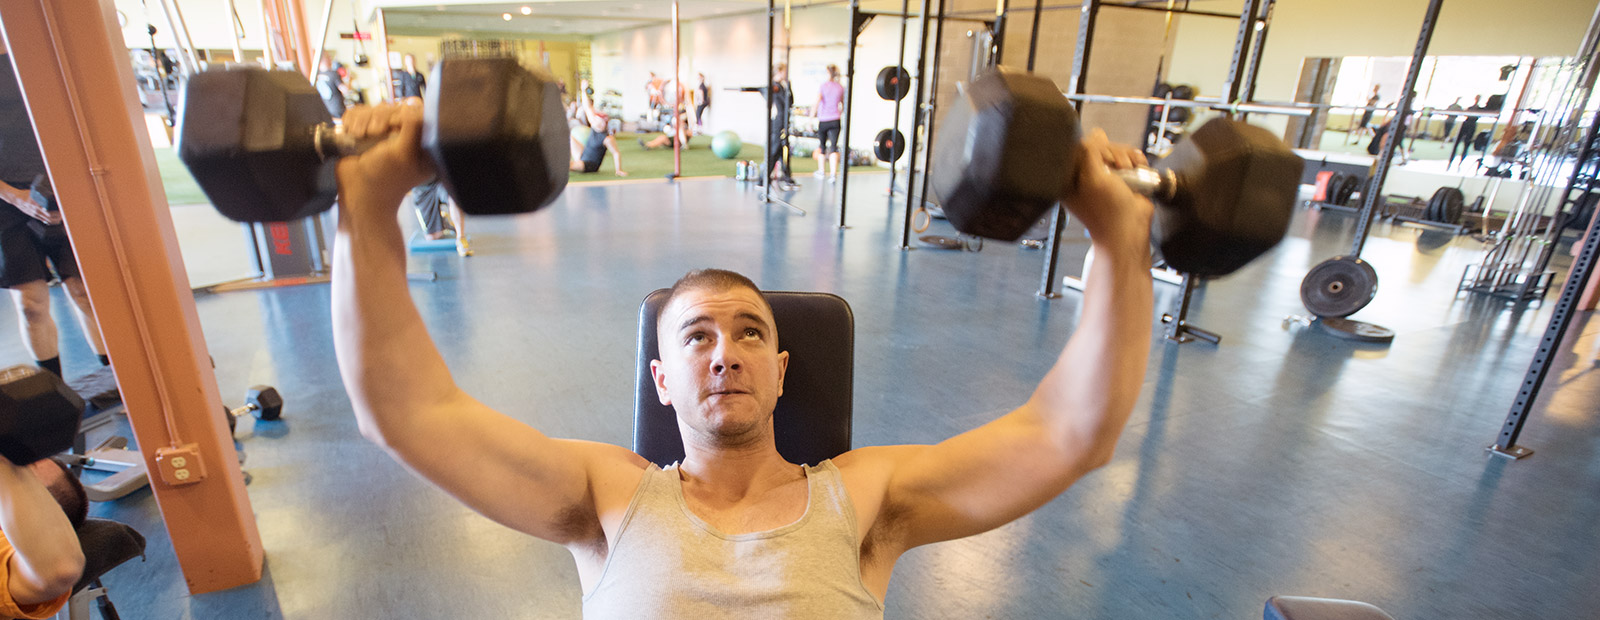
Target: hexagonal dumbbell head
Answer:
[[246, 135], [1235, 194], [1003, 152], [39, 414], [266, 401], [498, 135]]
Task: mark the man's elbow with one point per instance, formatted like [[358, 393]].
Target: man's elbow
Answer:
[[63, 574]]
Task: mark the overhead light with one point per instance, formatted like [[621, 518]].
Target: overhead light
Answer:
[[527, 10], [505, 16]]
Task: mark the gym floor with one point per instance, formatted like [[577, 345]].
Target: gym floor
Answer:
[[1282, 462]]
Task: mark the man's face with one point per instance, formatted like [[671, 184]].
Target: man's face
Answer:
[[410, 63], [720, 366]]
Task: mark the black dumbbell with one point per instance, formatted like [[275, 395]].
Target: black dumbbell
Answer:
[[1227, 191], [39, 414], [263, 148], [262, 400]]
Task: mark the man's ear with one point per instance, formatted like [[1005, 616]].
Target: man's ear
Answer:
[[783, 369], [661, 382]]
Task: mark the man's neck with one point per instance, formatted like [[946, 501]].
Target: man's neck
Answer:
[[731, 474]]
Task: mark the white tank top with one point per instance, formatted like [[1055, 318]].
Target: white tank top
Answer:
[[668, 563]]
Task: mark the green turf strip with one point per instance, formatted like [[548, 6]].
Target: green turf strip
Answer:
[[698, 161]]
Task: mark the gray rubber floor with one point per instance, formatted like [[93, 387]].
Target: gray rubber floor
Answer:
[[1282, 462]]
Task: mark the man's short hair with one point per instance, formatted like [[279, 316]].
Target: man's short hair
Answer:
[[68, 492], [712, 280]]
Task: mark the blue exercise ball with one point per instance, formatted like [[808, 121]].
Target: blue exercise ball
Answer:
[[726, 144]]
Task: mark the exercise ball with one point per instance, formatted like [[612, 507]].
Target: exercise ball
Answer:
[[726, 144], [581, 133]]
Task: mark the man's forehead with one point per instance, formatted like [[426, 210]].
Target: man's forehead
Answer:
[[731, 300]]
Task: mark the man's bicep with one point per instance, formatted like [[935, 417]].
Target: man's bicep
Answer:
[[980, 479], [510, 472]]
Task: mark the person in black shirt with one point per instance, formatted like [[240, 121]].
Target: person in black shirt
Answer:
[[429, 199], [407, 81], [330, 85], [778, 126], [32, 237], [1469, 129], [702, 101]]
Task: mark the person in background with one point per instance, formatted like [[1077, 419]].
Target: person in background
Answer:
[[1365, 127], [1450, 119], [830, 107], [429, 199], [330, 85], [653, 90], [778, 126], [588, 155], [1469, 129], [702, 101], [34, 248]]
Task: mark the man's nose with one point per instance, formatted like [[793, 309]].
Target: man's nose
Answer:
[[724, 359]]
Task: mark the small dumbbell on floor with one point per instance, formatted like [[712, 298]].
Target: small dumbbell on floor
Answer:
[[261, 400]]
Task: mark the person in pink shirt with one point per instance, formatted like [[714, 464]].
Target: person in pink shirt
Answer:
[[830, 106]]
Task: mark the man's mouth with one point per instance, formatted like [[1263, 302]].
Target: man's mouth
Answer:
[[726, 392]]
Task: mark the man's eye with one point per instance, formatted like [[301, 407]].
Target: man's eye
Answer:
[[696, 338], [752, 333]]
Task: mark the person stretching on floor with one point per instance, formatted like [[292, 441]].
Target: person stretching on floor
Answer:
[[589, 154]]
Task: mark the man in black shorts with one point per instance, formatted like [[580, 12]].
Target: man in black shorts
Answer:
[[588, 154], [32, 238]]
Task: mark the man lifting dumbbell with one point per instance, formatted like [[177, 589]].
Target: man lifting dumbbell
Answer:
[[722, 369], [41, 507], [41, 503]]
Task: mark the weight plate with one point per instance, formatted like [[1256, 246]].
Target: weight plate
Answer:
[[1451, 203], [1339, 287], [889, 79], [1332, 189], [1359, 331], [1183, 91], [1347, 187], [1431, 212], [889, 145]]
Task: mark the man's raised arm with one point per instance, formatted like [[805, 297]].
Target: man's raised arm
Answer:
[[47, 560], [403, 395], [1005, 469]]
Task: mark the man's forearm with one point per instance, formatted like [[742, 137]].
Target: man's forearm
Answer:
[[47, 556], [1087, 396], [389, 364]]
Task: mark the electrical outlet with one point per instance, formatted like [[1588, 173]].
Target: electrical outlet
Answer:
[[180, 465]]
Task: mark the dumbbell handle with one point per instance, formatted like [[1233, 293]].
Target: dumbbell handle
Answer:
[[331, 141], [1158, 185]]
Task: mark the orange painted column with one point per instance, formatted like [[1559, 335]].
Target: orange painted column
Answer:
[[79, 88], [301, 46]]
